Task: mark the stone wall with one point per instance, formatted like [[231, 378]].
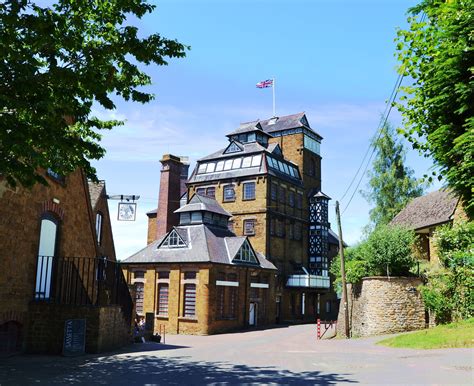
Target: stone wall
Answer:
[[106, 328], [381, 305]]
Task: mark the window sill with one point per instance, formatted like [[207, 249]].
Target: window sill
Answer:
[[187, 319], [248, 199], [229, 200], [162, 317]]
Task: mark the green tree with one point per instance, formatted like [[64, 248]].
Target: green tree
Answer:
[[56, 62], [436, 53], [391, 183]]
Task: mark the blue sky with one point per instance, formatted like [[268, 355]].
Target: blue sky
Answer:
[[332, 59]]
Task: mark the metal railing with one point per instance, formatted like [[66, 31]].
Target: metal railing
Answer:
[[91, 281], [308, 281]]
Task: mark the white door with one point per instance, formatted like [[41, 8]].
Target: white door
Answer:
[[253, 314], [46, 252]]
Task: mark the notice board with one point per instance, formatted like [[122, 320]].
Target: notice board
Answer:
[[74, 337]]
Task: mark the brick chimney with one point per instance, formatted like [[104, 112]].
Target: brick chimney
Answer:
[[174, 174]]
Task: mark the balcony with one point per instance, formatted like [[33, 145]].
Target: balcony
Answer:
[[308, 281]]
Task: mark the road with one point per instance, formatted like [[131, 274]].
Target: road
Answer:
[[286, 355]]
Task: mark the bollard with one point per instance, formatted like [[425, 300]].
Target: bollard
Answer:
[[318, 328]]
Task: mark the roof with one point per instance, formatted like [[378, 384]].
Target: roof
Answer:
[[203, 203], [248, 128], [205, 244], [95, 191], [248, 148], [425, 211], [286, 122]]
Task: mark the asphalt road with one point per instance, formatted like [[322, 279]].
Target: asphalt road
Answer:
[[286, 355]]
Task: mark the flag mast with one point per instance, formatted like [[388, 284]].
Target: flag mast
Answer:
[[273, 89]]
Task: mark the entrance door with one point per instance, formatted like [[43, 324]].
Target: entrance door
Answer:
[[46, 252], [253, 314]]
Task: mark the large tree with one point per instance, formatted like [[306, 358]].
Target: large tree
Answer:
[[56, 61], [436, 54], [391, 183]]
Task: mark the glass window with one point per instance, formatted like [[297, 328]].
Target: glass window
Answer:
[[139, 295], [287, 169], [98, 227], [281, 167], [163, 295], [280, 231], [184, 218], [190, 275], [249, 227], [196, 217], [247, 162], [229, 193], [236, 164], [282, 194], [251, 137], [163, 274], [201, 191], [299, 200], [202, 168], [249, 191], [220, 166], [256, 160], [210, 167], [274, 191], [272, 226], [230, 226], [291, 198], [139, 275], [291, 231], [270, 162], [211, 192], [190, 300], [297, 231], [228, 164], [46, 251], [311, 144]]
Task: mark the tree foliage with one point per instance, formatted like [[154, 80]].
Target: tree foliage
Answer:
[[449, 292], [388, 250], [57, 61], [436, 52], [391, 183]]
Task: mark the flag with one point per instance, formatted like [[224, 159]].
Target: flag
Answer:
[[265, 83]]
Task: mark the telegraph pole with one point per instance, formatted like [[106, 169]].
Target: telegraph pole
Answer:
[[343, 273]]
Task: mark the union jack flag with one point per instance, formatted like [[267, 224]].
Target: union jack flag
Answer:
[[265, 83]]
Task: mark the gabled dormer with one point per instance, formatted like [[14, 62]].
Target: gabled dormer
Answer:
[[203, 210], [234, 147], [173, 240], [245, 254]]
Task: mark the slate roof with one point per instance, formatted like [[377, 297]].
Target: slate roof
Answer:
[[425, 211], [248, 148], [249, 127], [286, 122], [203, 203], [95, 191], [205, 244]]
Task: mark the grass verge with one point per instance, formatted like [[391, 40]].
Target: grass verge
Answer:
[[453, 335]]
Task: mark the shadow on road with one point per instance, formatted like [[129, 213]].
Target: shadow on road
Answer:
[[137, 369]]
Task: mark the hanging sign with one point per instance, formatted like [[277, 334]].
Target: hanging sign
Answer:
[[127, 211]]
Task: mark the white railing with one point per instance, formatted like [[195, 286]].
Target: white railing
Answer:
[[308, 281]]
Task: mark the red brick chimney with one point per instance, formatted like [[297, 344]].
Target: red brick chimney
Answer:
[[174, 174]]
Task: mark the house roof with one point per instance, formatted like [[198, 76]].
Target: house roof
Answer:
[[95, 191], [205, 244], [425, 211], [203, 203]]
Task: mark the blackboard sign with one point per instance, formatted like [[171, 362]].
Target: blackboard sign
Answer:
[[149, 322], [74, 337]]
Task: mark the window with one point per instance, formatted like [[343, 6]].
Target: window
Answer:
[[249, 191], [328, 306], [189, 300], [291, 234], [202, 168], [249, 227], [211, 192], [173, 241], [282, 194], [229, 193], [163, 292], [280, 231], [298, 232], [272, 226], [163, 274], [236, 163], [139, 294], [196, 217], [291, 199], [139, 275], [228, 164], [46, 252], [247, 162], [256, 160], [226, 297], [274, 192], [246, 254], [56, 176], [220, 166], [189, 275], [201, 191], [233, 147], [98, 227], [299, 200], [230, 225]]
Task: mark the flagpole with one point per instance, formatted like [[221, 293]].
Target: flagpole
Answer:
[[273, 88]]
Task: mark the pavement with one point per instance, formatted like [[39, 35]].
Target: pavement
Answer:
[[288, 355]]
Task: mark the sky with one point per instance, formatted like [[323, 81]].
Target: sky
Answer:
[[332, 59]]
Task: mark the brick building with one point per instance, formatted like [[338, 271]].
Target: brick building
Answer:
[[199, 278], [57, 262]]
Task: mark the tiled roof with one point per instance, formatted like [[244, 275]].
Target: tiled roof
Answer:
[[95, 191], [204, 244], [248, 148], [203, 203], [432, 209]]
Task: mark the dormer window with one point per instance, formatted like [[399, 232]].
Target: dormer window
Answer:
[[232, 148], [173, 241], [246, 254]]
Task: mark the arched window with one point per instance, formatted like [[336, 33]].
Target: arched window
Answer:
[[98, 227], [46, 251]]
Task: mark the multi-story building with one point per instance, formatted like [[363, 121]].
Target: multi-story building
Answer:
[[269, 178]]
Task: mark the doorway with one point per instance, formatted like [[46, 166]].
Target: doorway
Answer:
[[253, 314]]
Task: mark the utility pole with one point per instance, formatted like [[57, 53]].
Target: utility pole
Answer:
[[343, 273]]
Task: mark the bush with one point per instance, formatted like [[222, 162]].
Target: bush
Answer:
[[449, 291], [386, 251]]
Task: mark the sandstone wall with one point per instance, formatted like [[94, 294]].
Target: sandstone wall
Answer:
[[381, 305]]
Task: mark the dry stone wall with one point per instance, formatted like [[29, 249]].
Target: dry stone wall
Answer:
[[382, 305]]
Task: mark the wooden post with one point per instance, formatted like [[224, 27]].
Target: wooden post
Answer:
[[343, 273]]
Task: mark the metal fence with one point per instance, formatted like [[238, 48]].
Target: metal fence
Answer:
[[91, 281]]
